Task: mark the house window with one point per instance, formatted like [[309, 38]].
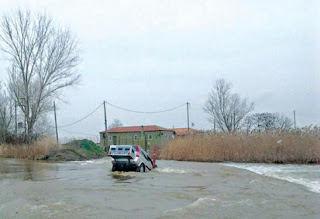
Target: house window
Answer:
[[110, 138], [150, 137], [135, 137]]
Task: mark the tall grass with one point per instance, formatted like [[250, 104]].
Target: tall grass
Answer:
[[284, 147], [37, 150]]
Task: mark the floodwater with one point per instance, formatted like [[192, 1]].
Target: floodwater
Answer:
[[174, 190]]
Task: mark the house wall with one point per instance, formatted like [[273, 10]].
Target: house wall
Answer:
[[143, 139]]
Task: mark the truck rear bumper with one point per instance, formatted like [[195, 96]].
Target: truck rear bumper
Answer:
[[123, 166]]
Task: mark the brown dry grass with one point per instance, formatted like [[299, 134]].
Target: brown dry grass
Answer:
[[36, 150], [285, 147]]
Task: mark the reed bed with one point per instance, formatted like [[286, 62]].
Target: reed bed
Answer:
[[37, 150], [285, 147]]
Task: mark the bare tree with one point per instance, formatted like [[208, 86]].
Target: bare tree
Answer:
[[248, 124], [42, 127], [115, 123], [264, 122], [6, 114], [43, 58], [283, 122], [226, 109]]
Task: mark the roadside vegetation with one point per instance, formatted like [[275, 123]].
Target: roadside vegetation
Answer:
[[39, 149], [300, 146], [46, 149]]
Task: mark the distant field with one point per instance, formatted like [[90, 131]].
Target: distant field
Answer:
[[285, 147]]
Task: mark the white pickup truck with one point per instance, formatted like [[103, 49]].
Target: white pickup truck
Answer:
[[129, 158]]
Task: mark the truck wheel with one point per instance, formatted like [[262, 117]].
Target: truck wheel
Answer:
[[113, 168], [141, 168]]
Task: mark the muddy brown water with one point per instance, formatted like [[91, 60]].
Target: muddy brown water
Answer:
[[88, 189]]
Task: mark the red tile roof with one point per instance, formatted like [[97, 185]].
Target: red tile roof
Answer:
[[147, 128], [184, 131]]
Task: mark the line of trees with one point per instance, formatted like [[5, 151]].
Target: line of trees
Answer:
[[228, 112], [6, 115], [264, 122], [42, 60]]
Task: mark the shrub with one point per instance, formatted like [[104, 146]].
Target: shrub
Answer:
[[86, 148]]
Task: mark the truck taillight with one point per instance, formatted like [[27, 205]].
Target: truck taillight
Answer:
[[138, 151]]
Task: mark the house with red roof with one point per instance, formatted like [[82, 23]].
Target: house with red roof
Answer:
[[146, 136], [181, 132]]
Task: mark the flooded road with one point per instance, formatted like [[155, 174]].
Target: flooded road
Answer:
[[173, 190]]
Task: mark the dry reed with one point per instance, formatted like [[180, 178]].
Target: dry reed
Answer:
[[285, 147], [37, 150]]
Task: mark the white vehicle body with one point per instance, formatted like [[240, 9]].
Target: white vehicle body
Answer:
[[129, 157]]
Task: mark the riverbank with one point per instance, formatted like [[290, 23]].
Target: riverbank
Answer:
[[47, 149], [290, 147]]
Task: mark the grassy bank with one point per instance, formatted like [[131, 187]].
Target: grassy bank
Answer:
[[77, 150], [46, 149], [285, 147]]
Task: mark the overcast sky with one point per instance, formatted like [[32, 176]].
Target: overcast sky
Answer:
[[153, 55]]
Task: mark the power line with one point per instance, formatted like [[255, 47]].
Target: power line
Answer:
[[78, 133], [81, 118], [145, 112]]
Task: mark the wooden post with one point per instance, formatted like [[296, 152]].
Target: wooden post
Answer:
[[188, 116], [294, 119], [105, 126]]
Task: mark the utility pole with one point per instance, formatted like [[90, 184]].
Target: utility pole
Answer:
[[55, 120], [105, 126], [294, 119], [188, 115]]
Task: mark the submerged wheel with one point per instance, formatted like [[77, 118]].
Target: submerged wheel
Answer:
[[141, 168], [113, 168]]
